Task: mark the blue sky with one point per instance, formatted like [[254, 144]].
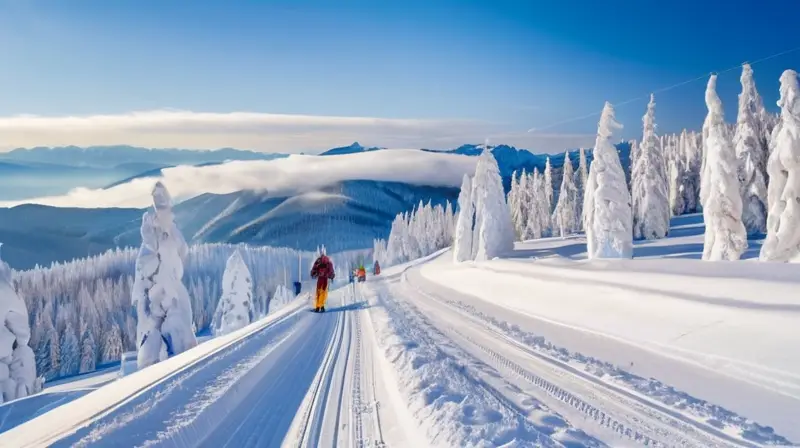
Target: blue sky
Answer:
[[517, 65]]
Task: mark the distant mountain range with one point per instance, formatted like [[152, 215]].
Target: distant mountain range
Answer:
[[129, 158], [344, 216]]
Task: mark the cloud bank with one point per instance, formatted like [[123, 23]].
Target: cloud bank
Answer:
[[280, 177], [265, 132]]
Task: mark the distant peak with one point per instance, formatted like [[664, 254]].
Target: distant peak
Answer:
[[356, 145]]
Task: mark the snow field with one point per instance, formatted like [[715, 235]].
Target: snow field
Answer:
[[627, 411], [455, 399], [712, 349]]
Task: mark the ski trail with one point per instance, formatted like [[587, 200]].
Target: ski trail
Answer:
[[456, 399], [341, 407], [570, 391]]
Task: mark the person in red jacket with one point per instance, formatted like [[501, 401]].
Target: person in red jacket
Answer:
[[322, 271]]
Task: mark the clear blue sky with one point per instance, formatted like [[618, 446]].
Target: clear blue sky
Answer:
[[524, 64]]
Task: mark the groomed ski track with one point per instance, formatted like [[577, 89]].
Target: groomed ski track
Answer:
[[293, 379], [395, 362]]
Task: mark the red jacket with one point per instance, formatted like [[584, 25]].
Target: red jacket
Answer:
[[322, 271]]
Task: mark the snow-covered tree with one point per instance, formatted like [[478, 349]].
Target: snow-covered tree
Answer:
[[17, 360], [676, 195], [422, 232], [651, 205], [235, 307], [692, 155], [281, 297], [538, 217], [494, 232], [581, 177], [751, 151], [725, 236], [462, 245], [70, 351], [783, 223], [547, 185], [565, 217], [516, 203], [163, 304], [88, 351], [113, 344], [608, 205]]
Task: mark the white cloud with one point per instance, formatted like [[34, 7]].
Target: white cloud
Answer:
[[280, 177], [265, 132]]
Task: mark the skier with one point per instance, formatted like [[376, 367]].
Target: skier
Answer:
[[377, 268], [362, 274], [322, 271], [352, 275]]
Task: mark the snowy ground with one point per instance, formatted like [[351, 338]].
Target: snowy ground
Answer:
[[539, 349]]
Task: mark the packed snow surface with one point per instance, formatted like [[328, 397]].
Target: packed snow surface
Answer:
[[543, 348]]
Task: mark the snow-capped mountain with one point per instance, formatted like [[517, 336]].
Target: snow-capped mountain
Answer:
[[352, 149], [348, 215], [358, 209]]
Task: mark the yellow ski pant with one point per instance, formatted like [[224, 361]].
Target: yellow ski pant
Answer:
[[322, 296]]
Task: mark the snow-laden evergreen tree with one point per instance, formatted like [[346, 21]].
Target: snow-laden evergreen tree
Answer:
[[427, 229], [283, 296], [162, 301], [379, 250], [519, 203], [547, 185], [70, 351], [691, 151], [725, 235], [450, 223], [651, 205], [235, 307], [524, 204], [495, 233], [750, 142], [462, 245], [538, 218], [676, 203], [565, 217], [581, 177], [511, 198], [608, 231], [783, 223], [17, 360], [634, 157], [88, 350], [113, 344]]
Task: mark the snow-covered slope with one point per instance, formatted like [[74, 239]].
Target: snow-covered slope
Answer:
[[541, 348], [354, 211]]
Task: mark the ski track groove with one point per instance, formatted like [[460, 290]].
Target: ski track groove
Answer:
[[342, 389], [462, 369], [663, 424], [313, 415], [138, 406]]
